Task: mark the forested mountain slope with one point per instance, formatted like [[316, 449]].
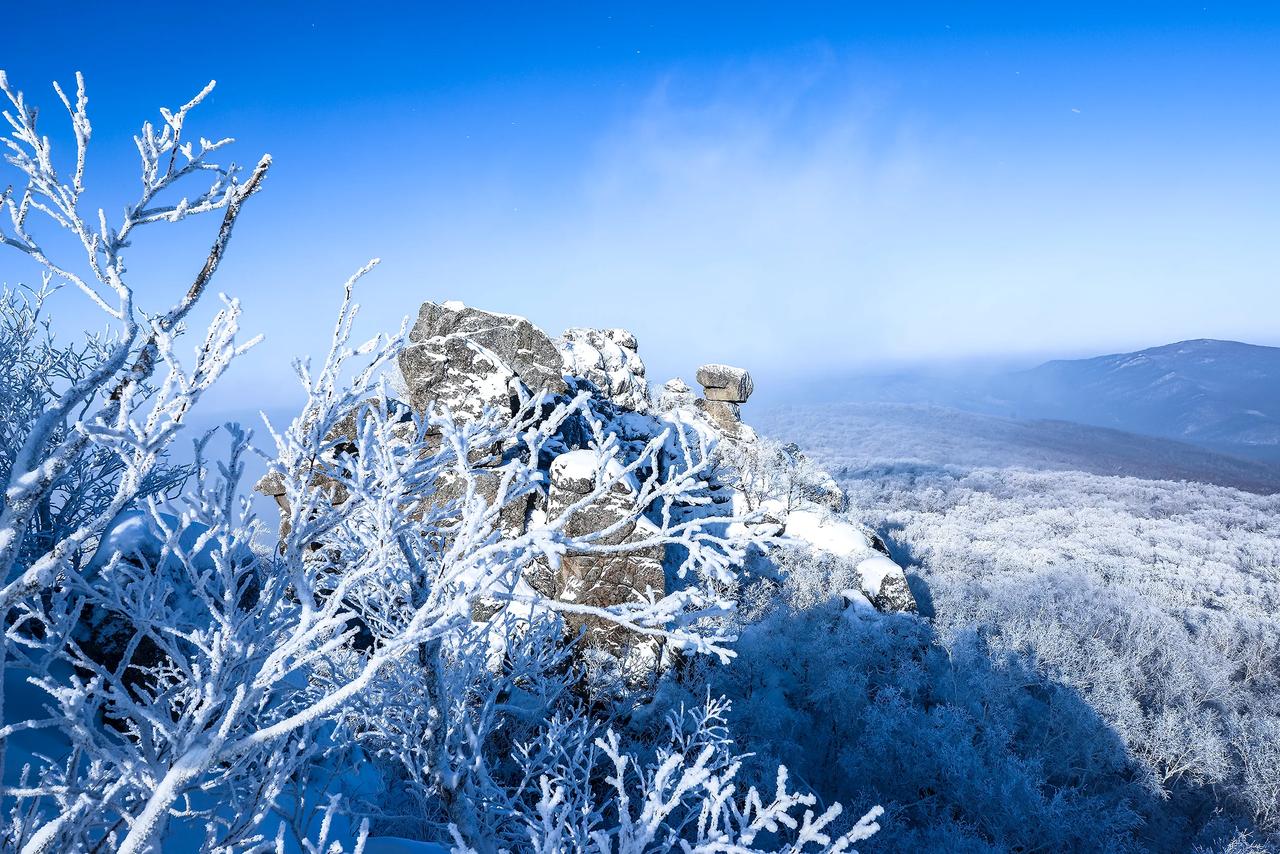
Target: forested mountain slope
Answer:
[[856, 434], [1215, 393]]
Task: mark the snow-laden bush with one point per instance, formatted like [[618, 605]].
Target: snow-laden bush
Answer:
[[257, 681], [777, 478]]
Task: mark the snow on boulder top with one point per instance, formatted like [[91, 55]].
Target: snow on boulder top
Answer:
[[885, 584], [725, 383], [827, 534], [575, 471], [873, 571]]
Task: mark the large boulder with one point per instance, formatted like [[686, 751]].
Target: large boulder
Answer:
[[523, 347], [725, 383], [459, 373], [608, 359], [885, 584]]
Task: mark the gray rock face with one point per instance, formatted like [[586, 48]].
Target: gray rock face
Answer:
[[608, 359], [723, 413], [458, 373], [725, 383], [523, 347], [727, 417], [895, 596], [600, 579]]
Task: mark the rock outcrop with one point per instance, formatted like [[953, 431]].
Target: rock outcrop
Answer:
[[881, 581], [472, 360], [885, 584], [602, 579], [610, 361], [469, 359], [724, 390]]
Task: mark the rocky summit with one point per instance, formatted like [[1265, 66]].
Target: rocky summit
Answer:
[[474, 362]]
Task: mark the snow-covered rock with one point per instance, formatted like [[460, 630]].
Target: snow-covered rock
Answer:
[[601, 579], [825, 533], [575, 471], [138, 547], [857, 602], [881, 580], [471, 360], [516, 343], [459, 373], [725, 383], [675, 395], [885, 584], [608, 359]]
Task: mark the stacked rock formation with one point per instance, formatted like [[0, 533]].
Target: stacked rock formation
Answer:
[[471, 360], [724, 390], [608, 359]]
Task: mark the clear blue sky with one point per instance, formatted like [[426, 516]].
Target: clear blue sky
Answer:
[[792, 187]]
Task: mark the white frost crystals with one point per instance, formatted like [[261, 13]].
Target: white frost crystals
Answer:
[[257, 694]]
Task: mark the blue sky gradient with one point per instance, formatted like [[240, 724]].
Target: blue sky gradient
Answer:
[[799, 188]]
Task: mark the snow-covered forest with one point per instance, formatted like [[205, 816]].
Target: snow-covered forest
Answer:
[[518, 600], [1100, 672]]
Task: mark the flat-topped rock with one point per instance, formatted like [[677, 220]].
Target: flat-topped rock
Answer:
[[725, 383]]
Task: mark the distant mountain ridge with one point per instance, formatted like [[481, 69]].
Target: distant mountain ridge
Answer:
[[853, 436], [1218, 394]]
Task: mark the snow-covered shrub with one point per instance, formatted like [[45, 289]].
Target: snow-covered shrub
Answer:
[[777, 478], [681, 794], [388, 628]]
